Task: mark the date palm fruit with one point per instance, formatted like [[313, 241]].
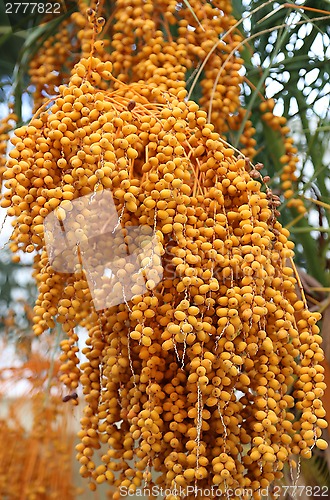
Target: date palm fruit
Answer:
[[212, 377]]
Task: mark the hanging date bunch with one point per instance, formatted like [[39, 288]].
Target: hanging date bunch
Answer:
[[164, 43], [173, 45], [209, 373]]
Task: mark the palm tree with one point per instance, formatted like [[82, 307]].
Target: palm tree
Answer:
[[285, 54]]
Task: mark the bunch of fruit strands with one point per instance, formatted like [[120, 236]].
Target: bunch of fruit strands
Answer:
[[35, 435], [6, 125], [142, 44], [52, 63], [49, 66], [289, 159], [163, 371], [144, 48]]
